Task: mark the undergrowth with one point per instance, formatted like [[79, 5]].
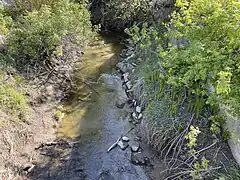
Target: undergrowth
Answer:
[[12, 98]]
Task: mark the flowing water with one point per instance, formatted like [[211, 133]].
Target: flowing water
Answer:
[[93, 120]]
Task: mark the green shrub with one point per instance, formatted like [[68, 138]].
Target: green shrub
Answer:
[[30, 5], [212, 55], [119, 14], [12, 100], [35, 35], [5, 21], [209, 56]]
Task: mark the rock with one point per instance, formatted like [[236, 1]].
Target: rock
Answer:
[[130, 101], [123, 145], [134, 122], [134, 64], [137, 159], [140, 116], [129, 56], [134, 115], [120, 105], [49, 90], [138, 109], [134, 102], [125, 77], [232, 124], [28, 167], [124, 67], [129, 85], [125, 138], [111, 82], [135, 146]]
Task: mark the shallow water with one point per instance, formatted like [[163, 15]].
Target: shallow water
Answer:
[[97, 123]]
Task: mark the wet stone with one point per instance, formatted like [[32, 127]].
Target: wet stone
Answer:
[[125, 138], [135, 146], [138, 109], [134, 115], [140, 116], [137, 159], [125, 77], [123, 145], [119, 105], [129, 85]]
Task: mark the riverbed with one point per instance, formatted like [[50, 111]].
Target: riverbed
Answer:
[[94, 121]]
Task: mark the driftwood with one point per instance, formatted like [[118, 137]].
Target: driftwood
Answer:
[[115, 144]]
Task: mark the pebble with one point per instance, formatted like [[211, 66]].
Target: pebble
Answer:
[[138, 109], [134, 146], [129, 85], [137, 159], [123, 145], [140, 116], [125, 138], [134, 115]]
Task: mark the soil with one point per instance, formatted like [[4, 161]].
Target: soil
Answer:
[[18, 140]]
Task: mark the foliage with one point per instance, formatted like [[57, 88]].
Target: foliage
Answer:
[[24, 6], [35, 35], [232, 172], [119, 14], [192, 137], [212, 56], [201, 62], [5, 21], [12, 99]]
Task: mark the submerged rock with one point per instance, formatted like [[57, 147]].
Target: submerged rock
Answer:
[[135, 146], [129, 85], [123, 145], [125, 138], [137, 159], [120, 104], [138, 109]]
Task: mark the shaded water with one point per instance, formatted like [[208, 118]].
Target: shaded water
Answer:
[[93, 119], [83, 115]]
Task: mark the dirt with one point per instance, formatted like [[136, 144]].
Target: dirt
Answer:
[[18, 140]]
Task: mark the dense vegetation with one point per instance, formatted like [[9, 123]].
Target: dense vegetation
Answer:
[[200, 60], [192, 60], [34, 33]]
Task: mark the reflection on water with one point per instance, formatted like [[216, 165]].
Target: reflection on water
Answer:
[[83, 113]]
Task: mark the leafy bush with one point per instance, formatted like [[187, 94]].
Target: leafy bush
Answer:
[[119, 14], [35, 35], [30, 5], [212, 55], [12, 100], [202, 52], [5, 21]]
